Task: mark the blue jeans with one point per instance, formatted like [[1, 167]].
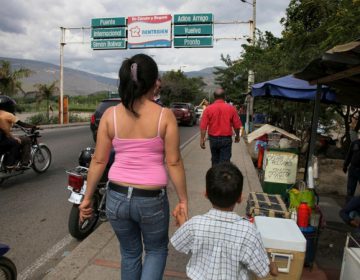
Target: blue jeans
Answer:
[[220, 147], [140, 223], [351, 210], [353, 180]]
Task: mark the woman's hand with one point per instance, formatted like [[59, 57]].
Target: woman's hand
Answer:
[[181, 209], [86, 210]]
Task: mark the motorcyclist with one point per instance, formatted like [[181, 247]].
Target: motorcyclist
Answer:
[[8, 142]]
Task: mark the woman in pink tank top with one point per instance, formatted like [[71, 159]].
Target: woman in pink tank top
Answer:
[[145, 138]]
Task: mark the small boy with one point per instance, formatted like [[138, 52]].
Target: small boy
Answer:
[[223, 245]]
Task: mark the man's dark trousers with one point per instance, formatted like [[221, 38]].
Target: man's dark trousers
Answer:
[[353, 180], [220, 147]]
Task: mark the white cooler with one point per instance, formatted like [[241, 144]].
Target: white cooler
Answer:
[[285, 244]]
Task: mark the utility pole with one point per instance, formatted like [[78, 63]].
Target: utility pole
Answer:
[[251, 74]]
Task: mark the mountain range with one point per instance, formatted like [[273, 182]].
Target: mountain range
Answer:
[[77, 82]]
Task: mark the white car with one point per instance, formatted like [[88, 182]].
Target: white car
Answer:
[[198, 111]]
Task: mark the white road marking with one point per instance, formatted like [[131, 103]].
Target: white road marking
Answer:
[[188, 141], [27, 273]]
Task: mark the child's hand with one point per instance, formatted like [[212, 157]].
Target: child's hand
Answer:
[[273, 269]]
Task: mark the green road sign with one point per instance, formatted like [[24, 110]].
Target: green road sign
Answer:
[[108, 44], [193, 18], [108, 22], [193, 42], [103, 33], [193, 30]]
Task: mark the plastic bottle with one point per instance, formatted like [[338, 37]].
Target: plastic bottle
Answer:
[[294, 214], [260, 157], [303, 216]]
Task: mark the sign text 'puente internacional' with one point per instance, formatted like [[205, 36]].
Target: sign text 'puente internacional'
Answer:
[[155, 31]]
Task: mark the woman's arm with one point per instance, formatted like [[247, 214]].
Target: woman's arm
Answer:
[[98, 163], [174, 161]]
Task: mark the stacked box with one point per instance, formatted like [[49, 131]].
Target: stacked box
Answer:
[[285, 245], [264, 204]]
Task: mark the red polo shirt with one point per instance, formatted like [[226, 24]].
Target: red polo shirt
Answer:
[[219, 118]]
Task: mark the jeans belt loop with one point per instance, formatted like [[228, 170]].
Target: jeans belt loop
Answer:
[[162, 192], [130, 190]]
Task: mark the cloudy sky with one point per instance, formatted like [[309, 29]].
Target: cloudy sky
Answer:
[[30, 29]]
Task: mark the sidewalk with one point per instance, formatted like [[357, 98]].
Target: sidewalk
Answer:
[[97, 257]]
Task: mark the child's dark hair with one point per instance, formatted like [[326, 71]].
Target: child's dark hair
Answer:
[[138, 75], [224, 184]]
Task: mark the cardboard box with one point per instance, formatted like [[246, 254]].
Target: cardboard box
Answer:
[[285, 244], [264, 204]]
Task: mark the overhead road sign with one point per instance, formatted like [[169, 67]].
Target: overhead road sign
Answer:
[[108, 22], [104, 33], [193, 30], [193, 18], [108, 44], [193, 42], [149, 31]]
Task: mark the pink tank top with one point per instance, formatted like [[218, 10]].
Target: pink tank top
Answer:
[[139, 161]]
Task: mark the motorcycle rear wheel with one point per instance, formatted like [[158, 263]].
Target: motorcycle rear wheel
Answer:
[[41, 159], [82, 230], [7, 269]]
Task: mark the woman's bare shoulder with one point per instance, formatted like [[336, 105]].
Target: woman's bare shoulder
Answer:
[[108, 115], [168, 114]]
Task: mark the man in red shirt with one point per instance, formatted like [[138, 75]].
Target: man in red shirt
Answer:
[[219, 119]]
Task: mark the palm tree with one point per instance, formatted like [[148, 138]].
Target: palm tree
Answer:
[[10, 80], [46, 92]]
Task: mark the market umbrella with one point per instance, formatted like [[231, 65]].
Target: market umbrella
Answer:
[[291, 88]]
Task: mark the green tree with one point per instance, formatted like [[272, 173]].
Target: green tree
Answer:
[[10, 81], [232, 79], [175, 86], [310, 28], [46, 92]]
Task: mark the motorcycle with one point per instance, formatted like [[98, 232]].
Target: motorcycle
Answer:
[[7, 267], [40, 157], [77, 181]]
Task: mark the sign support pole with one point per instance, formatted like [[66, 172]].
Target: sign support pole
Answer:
[[62, 44]]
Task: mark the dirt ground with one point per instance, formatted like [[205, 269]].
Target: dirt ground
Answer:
[[332, 237]]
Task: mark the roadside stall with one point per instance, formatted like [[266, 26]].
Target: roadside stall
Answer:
[[335, 77], [339, 68], [279, 171], [284, 196], [277, 158]]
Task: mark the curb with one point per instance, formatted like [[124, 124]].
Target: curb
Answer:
[[50, 126]]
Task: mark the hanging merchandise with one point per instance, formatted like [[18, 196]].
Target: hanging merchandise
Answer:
[[303, 194], [310, 179]]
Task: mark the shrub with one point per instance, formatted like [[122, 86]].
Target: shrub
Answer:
[[41, 118]]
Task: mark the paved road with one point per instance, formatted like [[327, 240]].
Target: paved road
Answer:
[[34, 208]]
